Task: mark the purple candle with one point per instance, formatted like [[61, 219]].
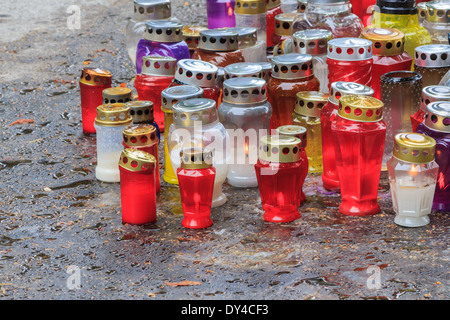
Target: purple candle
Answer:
[[220, 13]]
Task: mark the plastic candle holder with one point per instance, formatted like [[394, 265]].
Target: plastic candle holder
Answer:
[[412, 178], [429, 94]]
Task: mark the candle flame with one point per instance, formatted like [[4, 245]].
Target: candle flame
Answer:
[[230, 10], [413, 172]]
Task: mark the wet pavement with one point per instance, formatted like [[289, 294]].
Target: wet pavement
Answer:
[[55, 214]]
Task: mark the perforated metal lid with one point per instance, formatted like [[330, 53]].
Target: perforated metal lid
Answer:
[[360, 108], [283, 23], [292, 66], [386, 42], [301, 5], [163, 31], [196, 158], [196, 72], [250, 6], [438, 11], [116, 95], [342, 88], [159, 66], [95, 76], [187, 112], [433, 56], [244, 90], [243, 69], [218, 40], [310, 103], [172, 95], [349, 49], [272, 3], [414, 147], [295, 131], [137, 160], [247, 37], [139, 135], [312, 41], [438, 116], [141, 111], [191, 35], [280, 148], [266, 69], [115, 114], [434, 93], [152, 9]]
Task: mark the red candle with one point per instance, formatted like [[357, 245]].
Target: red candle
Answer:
[[279, 171], [92, 83], [196, 180], [359, 134], [327, 118], [144, 137], [363, 9], [137, 186]]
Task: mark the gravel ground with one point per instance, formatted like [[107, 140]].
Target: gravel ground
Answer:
[[55, 217]]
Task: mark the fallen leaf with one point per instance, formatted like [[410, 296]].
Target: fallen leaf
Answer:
[[21, 121], [183, 283], [86, 62]]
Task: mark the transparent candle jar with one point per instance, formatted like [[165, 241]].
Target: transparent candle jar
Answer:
[[308, 107], [333, 15], [437, 21], [252, 48], [412, 178], [315, 42], [432, 62], [169, 97], [196, 124], [437, 126], [111, 120], [244, 112], [429, 94], [242, 69], [252, 13], [162, 38], [144, 10], [350, 60], [388, 53], [328, 116], [273, 9], [291, 73], [137, 186]]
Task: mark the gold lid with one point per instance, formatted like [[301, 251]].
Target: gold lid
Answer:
[[284, 47], [414, 147], [386, 42], [272, 3], [301, 5], [360, 108], [115, 114], [141, 111], [437, 117], [280, 148], [136, 160], [250, 6], [191, 35], [283, 23], [95, 77], [196, 158], [294, 131], [116, 95], [310, 103], [140, 135]]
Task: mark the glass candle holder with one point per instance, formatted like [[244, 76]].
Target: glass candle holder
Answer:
[[196, 124], [220, 13], [333, 15], [359, 134], [429, 94], [437, 126], [273, 9], [169, 97], [144, 10], [412, 178], [432, 62], [218, 47], [196, 180], [350, 60], [279, 173], [252, 13], [328, 116], [315, 42], [388, 53], [244, 111], [252, 48], [157, 74], [437, 21], [191, 35], [92, 83], [307, 110], [142, 113], [143, 137], [291, 73], [302, 134], [110, 121], [137, 187], [400, 93], [162, 38]]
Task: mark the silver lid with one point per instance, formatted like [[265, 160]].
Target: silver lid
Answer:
[[187, 112], [172, 95], [244, 90], [141, 111], [218, 40], [433, 55], [243, 69], [247, 37], [434, 93], [438, 11], [158, 66], [312, 41], [196, 72], [116, 95], [152, 9], [266, 69], [342, 88], [438, 116], [163, 31], [292, 66], [349, 49]]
